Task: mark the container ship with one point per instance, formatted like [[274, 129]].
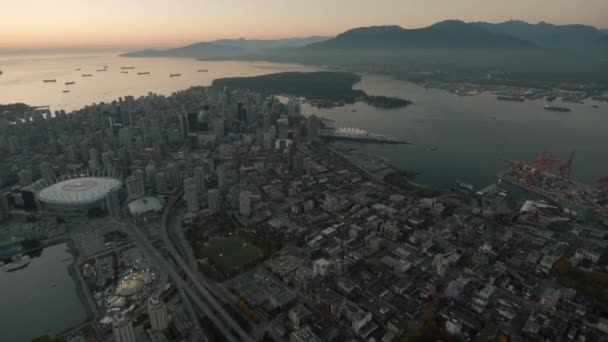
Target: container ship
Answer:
[[557, 109], [144, 73], [49, 81], [511, 98], [175, 75], [17, 263]]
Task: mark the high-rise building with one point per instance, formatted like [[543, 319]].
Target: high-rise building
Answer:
[[106, 160], [161, 183], [191, 195], [25, 177], [298, 165], [113, 203], [93, 159], [173, 175], [218, 128], [122, 328], [141, 177], [135, 187], [221, 176], [199, 178], [213, 197], [159, 317], [245, 203], [46, 171], [5, 210], [151, 175]]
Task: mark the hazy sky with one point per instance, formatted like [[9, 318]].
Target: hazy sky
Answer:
[[36, 24]]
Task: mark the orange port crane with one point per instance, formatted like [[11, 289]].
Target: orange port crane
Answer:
[[565, 170], [603, 184], [545, 162]]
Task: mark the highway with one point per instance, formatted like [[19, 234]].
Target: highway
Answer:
[[226, 326], [195, 277]]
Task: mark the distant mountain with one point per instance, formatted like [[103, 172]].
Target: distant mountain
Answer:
[[190, 51], [451, 33], [549, 35], [226, 47], [255, 44]]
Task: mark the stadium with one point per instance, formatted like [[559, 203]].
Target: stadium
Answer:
[[76, 195]]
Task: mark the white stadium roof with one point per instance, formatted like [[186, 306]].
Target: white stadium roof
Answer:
[[80, 191]]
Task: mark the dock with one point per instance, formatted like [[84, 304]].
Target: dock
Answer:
[[565, 192]]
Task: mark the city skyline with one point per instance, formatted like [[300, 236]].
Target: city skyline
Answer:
[[71, 24]]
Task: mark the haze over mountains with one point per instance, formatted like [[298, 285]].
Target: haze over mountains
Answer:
[[512, 52], [227, 47]]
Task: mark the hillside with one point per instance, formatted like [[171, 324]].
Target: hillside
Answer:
[[446, 34], [548, 35], [226, 47]]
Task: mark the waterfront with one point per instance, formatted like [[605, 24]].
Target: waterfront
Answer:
[[41, 297], [473, 135], [23, 77], [455, 137]]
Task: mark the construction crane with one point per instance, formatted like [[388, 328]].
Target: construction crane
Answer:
[[545, 162], [603, 184], [565, 170]]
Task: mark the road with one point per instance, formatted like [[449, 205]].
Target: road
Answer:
[[194, 291], [200, 284]]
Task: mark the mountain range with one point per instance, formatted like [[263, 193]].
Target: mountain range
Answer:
[[446, 34], [227, 47]]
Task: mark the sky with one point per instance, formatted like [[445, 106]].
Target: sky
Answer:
[[100, 24]]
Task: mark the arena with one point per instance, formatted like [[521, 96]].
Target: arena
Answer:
[[76, 194]]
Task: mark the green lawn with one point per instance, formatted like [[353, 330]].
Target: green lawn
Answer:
[[231, 253]]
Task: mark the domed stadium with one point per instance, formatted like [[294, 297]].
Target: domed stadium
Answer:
[[77, 194]]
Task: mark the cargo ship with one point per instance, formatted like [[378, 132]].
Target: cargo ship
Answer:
[[87, 75], [49, 81], [511, 98], [17, 263], [70, 83], [144, 73], [557, 109], [175, 75]]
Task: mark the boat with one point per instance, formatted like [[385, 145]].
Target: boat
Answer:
[[18, 263], [87, 75], [77, 69], [203, 70], [144, 73], [124, 72], [434, 148], [49, 81], [105, 66], [70, 83], [595, 106], [557, 109], [101, 70], [127, 68], [551, 98], [66, 91], [511, 98], [466, 186], [175, 75]]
